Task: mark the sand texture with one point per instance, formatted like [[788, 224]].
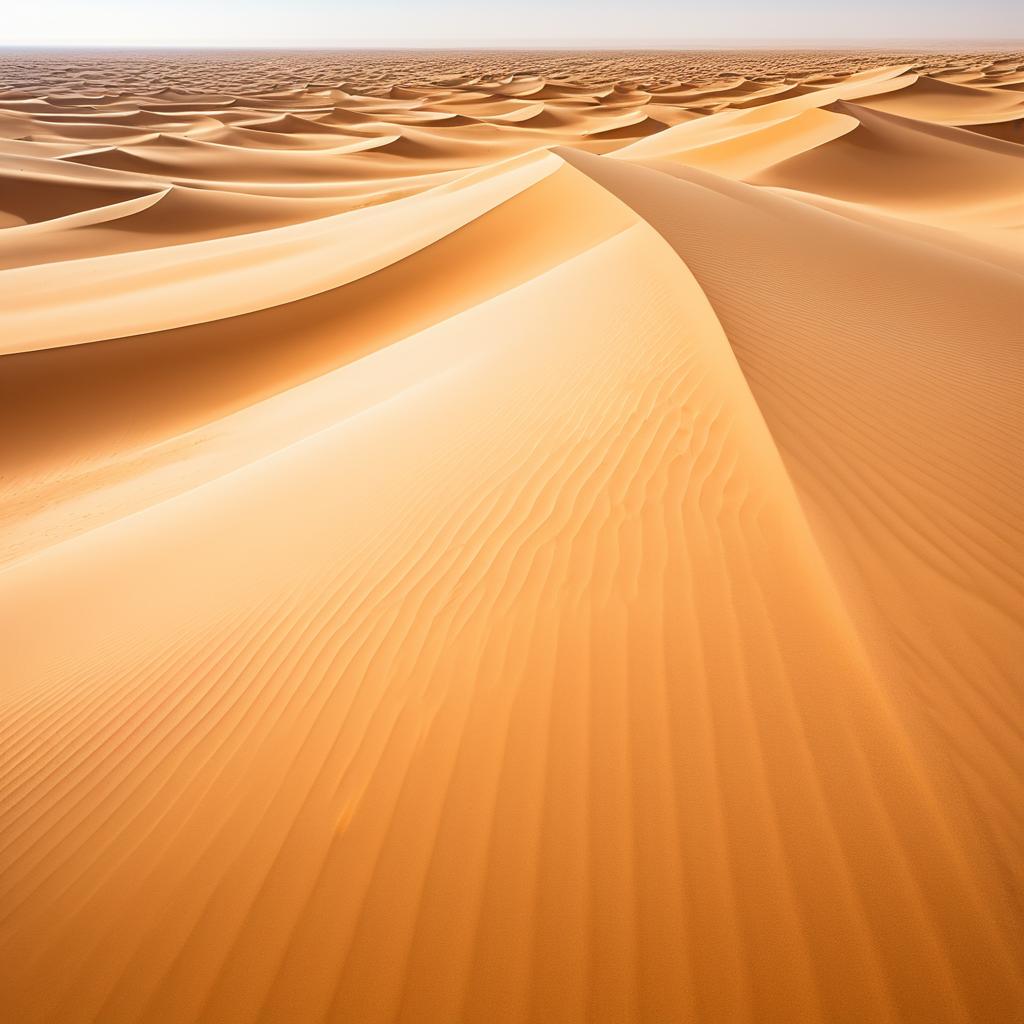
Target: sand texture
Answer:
[[505, 538]]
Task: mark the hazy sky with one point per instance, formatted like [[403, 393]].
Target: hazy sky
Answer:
[[343, 23]]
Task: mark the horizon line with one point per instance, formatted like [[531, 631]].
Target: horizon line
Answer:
[[571, 46]]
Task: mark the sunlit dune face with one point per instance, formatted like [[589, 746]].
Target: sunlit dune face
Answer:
[[511, 537]]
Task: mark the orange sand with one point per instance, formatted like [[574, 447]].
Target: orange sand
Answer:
[[511, 538]]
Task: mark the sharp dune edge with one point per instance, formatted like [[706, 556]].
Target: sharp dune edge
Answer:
[[511, 538]]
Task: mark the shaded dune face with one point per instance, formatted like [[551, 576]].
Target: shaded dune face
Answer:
[[511, 538]]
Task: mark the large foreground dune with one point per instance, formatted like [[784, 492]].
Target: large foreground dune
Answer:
[[512, 537]]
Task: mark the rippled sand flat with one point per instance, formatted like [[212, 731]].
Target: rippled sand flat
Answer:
[[511, 537]]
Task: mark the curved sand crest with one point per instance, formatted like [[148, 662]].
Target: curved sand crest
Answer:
[[172, 216], [919, 169], [949, 103], [835, 414], [34, 198], [200, 281], [570, 589], [88, 392]]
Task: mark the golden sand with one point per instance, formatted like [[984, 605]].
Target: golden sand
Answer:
[[511, 538]]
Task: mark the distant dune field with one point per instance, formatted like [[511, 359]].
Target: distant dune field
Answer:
[[511, 537]]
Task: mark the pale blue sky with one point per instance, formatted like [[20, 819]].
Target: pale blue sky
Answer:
[[341, 23]]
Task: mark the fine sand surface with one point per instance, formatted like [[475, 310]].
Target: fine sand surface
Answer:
[[512, 538]]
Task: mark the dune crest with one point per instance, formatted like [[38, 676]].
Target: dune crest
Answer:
[[511, 538]]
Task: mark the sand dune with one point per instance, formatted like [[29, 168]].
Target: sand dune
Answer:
[[933, 99], [511, 538], [922, 171]]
